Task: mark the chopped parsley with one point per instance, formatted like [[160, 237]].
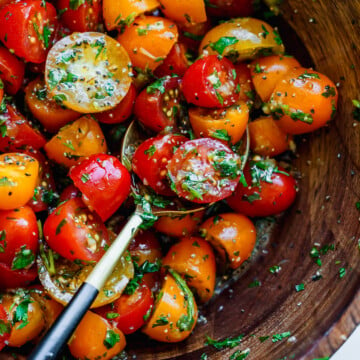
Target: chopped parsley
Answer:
[[21, 314], [223, 344], [279, 337], [85, 178], [240, 355], [161, 321], [111, 339], [221, 134], [61, 224], [342, 272], [225, 41], [23, 259], [157, 85], [329, 91], [150, 151], [307, 75], [299, 287]]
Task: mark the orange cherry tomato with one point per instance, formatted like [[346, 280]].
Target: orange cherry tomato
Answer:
[[18, 178], [246, 92], [122, 13], [51, 115], [149, 40], [223, 124], [267, 71], [76, 141], [194, 258], [95, 338], [303, 101], [175, 313], [266, 138], [232, 235], [192, 34], [184, 11], [178, 226], [27, 318]]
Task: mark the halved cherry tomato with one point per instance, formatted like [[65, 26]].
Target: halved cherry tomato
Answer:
[[148, 41], [51, 115], [194, 258], [28, 28], [26, 316], [151, 159], [242, 39], [266, 138], [223, 124], [269, 191], [267, 71], [232, 235], [179, 226], [120, 112], [95, 338], [123, 13], [5, 328], [211, 82], [19, 132], [11, 71], [246, 91], [18, 178], [303, 101], [11, 279], [76, 141], [175, 63], [88, 72], [80, 15], [204, 170], [76, 233], [158, 106], [175, 312], [184, 11], [230, 8], [18, 238], [104, 182]]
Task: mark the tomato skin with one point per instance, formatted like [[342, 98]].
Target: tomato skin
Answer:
[[85, 17], [104, 182], [76, 233], [20, 23], [70, 192], [11, 71], [209, 82], [151, 158], [155, 109], [5, 326], [246, 92], [270, 198], [11, 279], [184, 11], [230, 8], [121, 112]]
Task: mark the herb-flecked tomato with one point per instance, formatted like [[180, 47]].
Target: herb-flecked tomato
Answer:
[[76, 141], [88, 72], [175, 311], [194, 258], [11, 71], [28, 28], [5, 328], [246, 91], [192, 34], [11, 279], [230, 8], [204, 170], [148, 41], [104, 182], [269, 190], [211, 82], [95, 338], [303, 101], [184, 11], [80, 15], [151, 159], [18, 238], [18, 178], [76, 233], [232, 235], [158, 106]]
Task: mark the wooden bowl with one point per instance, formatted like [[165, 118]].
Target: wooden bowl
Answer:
[[327, 311]]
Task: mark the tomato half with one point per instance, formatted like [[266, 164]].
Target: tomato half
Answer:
[[211, 82], [204, 170], [76, 233], [104, 182], [151, 159], [28, 28], [184, 11]]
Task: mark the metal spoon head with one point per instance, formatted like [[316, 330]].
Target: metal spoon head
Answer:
[[170, 206]]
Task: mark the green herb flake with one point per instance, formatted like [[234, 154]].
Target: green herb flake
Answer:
[[356, 112], [85, 178], [61, 224], [221, 134], [223, 344], [279, 337], [299, 287], [255, 283], [157, 85], [161, 321], [111, 339], [21, 314], [329, 91], [240, 355], [23, 259], [342, 272], [225, 41], [112, 315], [150, 151]]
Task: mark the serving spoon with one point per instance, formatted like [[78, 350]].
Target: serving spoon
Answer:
[[60, 332]]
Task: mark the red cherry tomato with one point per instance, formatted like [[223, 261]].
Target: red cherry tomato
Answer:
[[158, 106], [70, 192], [269, 191], [120, 112], [151, 158], [211, 82], [230, 8], [104, 182], [11, 71], [18, 238], [76, 233], [80, 15], [204, 170], [28, 28], [11, 279], [5, 328]]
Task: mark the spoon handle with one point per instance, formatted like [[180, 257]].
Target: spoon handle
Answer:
[[55, 339]]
